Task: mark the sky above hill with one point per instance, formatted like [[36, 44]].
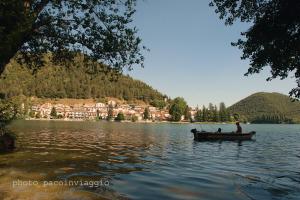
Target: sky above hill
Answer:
[[191, 56]]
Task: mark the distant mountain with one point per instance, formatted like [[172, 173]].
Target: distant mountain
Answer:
[[265, 107], [74, 82]]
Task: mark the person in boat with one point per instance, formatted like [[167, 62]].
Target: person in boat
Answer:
[[219, 130], [238, 127]]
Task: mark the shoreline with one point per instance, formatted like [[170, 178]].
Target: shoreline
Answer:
[[142, 122], [126, 121]]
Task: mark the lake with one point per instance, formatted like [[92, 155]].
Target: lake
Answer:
[[107, 160]]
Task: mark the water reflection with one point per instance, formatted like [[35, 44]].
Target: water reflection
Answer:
[[149, 161], [60, 152]]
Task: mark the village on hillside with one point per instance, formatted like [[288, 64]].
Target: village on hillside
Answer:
[[119, 110], [92, 111]]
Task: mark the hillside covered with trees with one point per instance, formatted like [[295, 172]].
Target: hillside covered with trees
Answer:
[[267, 108], [74, 82]]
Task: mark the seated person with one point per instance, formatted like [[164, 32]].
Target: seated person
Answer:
[[238, 128]]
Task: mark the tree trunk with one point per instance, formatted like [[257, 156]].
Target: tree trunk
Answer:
[[16, 28], [13, 41]]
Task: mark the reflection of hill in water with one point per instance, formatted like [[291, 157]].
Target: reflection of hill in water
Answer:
[[157, 161], [105, 150], [59, 151]]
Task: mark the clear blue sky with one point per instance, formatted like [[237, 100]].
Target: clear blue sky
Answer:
[[191, 56]]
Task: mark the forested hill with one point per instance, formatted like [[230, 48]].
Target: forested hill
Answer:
[[267, 108], [73, 82]]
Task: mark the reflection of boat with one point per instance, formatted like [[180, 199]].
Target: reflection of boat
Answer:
[[203, 135]]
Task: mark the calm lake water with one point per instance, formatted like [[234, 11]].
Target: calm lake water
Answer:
[[148, 161]]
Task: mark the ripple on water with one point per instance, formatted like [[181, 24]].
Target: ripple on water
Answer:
[[153, 161]]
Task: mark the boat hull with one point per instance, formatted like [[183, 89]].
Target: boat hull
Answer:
[[208, 136]]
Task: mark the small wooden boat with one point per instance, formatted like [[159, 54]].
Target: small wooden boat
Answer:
[[206, 136]]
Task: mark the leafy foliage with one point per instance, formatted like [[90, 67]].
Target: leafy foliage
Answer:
[[159, 103], [60, 82], [267, 108], [134, 118], [272, 119], [53, 113], [177, 108], [273, 38], [9, 110], [213, 114], [187, 113], [110, 113], [146, 113], [120, 117], [100, 29]]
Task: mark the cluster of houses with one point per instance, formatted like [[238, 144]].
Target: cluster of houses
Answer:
[[92, 111]]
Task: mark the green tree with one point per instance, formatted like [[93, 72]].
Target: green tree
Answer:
[[134, 118], [38, 115], [158, 103], [204, 114], [110, 112], [187, 113], [223, 112], [101, 28], [198, 116], [120, 117], [177, 108], [236, 117], [273, 37], [8, 112], [32, 114], [210, 112], [146, 114], [215, 117], [53, 113], [60, 116], [228, 116]]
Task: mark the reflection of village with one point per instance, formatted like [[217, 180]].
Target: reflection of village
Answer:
[[91, 111]]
